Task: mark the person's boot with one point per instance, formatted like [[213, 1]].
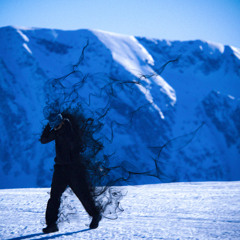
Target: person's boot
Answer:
[[95, 221], [50, 229]]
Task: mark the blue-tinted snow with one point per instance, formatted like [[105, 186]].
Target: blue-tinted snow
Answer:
[[209, 210]]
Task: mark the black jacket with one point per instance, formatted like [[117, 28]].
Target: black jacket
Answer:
[[66, 143]]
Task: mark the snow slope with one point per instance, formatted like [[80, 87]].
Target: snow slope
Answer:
[[209, 210], [202, 87]]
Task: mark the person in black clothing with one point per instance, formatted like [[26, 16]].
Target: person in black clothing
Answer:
[[68, 171]]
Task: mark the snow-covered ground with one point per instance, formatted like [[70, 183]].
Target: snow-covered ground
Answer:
[[206, 210]]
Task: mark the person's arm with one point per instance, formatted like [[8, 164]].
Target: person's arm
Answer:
[[48, 135]]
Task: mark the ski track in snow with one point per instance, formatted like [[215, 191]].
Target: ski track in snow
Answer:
[[209, 210]]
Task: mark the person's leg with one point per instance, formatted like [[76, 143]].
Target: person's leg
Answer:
[[59, 184], [78, 183]]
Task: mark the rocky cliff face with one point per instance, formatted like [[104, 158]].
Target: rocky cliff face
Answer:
[[147, 103]]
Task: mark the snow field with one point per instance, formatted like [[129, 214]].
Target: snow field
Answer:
[[209, 210]]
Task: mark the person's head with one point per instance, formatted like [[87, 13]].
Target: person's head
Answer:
[[55, 120]]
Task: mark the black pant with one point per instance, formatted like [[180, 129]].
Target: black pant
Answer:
[[73, 176]]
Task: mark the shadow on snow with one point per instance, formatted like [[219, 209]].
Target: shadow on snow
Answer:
[[45, 236]]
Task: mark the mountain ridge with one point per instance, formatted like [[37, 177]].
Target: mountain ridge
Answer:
[[175, 102]]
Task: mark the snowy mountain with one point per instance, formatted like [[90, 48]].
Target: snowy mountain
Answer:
[[192, 102]]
